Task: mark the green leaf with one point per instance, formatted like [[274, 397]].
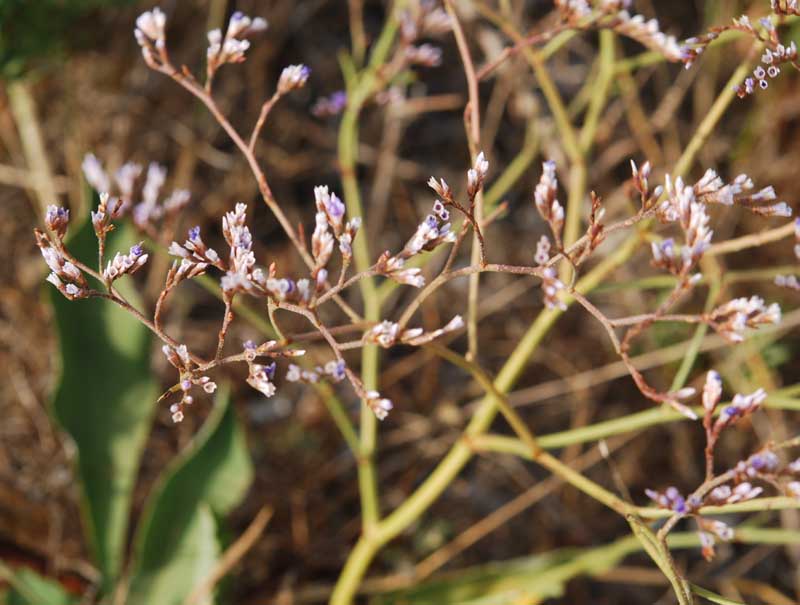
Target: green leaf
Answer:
[[105, 400], [29, 588], [190, 557], [171, 547]]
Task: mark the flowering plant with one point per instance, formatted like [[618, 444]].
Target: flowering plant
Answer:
[[673, 217]]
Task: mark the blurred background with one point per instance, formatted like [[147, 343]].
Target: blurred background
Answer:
[[72, 82]]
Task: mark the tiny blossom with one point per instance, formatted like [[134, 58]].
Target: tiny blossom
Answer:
[[150, 36], [335, 370], [671, 499], [65, 276], [744, 491], [176, 200], [793, 489], [239, 239], [640, 177], [711, 530], [740, 407], [107, 209], [573, 9], [436, 22], [380, 406], [292, 78], [542, 250], [788, 281], [260, 378], [125, 178], [148, 210], [195, 249], [394, 268], [384, 333], [332, 208], [178, 357], [431, 232], [330, 106], [551, 286], [94, 173], [648, 34], [441, 188], [732, 319], [151, 24], [125, 264], [308, 376], [476, 175], [720, 494], [544, 196], [664, 254], [761, 463], [426, 55], [712, 391], [57, 219], [232, 48], [418, 337], [321, 241]]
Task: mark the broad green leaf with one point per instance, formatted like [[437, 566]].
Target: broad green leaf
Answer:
[[213, 472], [105, 400], [29, 588], [190, 557]]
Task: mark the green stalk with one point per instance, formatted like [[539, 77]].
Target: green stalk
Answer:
[[360, 87]]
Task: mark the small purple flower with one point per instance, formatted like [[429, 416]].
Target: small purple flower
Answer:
[[194, 233]]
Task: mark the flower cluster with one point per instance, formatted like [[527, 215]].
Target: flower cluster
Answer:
[[711, 189], [334, 371], [647, 33], [380, 406], [775, 54], [179, 358], [262, 376], [551, 286], [331, 214], [150, 35], [732, 319], [293, 77], [423, 19], [709, 531], [56, 219], [387, 333], [613, 14], [232, 47], [433, 231], [148, 210], [64, 274], [544, 196], [670, 499], [108, 209], [125, 264], [333, 105], [742, 406]]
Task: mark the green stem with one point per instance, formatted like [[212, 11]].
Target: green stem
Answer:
[[360, 87]]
